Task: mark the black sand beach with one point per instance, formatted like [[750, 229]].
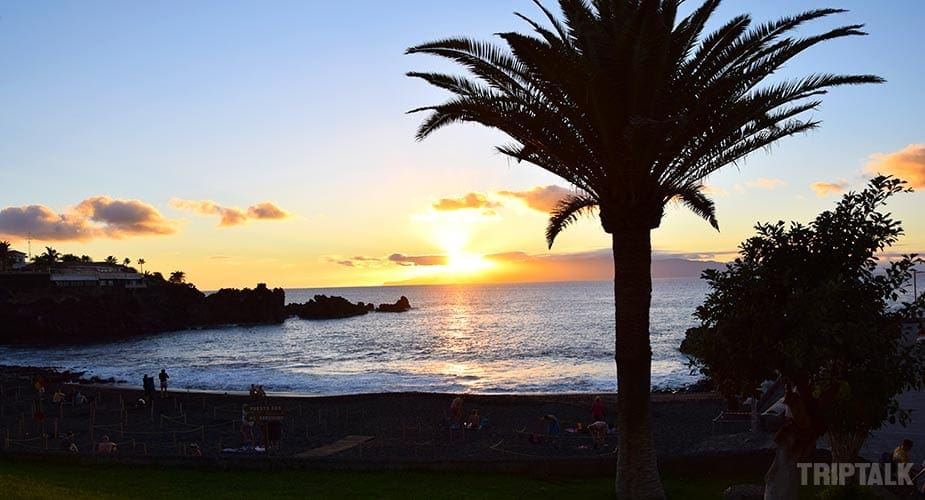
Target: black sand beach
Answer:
[[408, 429]]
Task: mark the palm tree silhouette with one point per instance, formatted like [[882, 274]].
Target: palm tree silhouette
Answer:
[[177, 277], [634, 108], [126, 262], [141, 264], [111, 260], [49, 258], [6, 256]]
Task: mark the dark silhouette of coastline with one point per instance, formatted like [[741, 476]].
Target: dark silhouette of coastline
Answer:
[[39, 314], [50, 315]]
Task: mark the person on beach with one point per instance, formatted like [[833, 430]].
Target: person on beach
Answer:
[[148, 384], [163, 377], [598, 432], [597, 409], [79, 399], [474, 419], [456, 411], [68, 443], [247, 425], [106, 446], [901, 453]]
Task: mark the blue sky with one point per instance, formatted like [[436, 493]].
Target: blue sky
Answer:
[[301, 104]]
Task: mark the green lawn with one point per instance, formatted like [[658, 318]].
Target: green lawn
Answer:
[[56, 480]]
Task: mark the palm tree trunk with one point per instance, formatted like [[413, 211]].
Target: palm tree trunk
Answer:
[[637, 466]]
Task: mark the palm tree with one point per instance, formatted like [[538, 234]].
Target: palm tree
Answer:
[[126, 262], [49, 258], [5, 255], [85, 258], [141, 264], [177, 277], [111, 260], [634, 108]]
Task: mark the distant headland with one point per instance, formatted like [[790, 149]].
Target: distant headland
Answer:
[[76, 300]]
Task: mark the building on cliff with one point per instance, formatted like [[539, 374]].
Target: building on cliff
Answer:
[[73, 275]]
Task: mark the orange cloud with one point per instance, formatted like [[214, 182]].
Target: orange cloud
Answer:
[[541, 198], [232, 216], [419, 260], [824, 189], [266, 211], [907, 164], [468, 201], [763, 183], [96, 217], [356, 261], [707, 189]]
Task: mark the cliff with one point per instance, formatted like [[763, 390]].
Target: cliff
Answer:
[[74, 316]]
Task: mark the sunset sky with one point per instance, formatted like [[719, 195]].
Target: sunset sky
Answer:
[[250, 141]]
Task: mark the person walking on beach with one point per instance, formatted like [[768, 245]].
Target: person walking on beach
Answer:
[[163, 377]]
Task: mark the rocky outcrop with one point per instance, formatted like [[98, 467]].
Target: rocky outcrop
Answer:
[[233, 306], [401, 305], [324, 307], [62, 316]]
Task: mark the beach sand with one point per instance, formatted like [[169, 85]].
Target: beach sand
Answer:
[[362, 428]]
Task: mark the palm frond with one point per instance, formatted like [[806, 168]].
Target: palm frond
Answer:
[[693, 198], [566, 212]]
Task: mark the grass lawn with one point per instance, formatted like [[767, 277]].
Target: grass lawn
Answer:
[[59, 481]]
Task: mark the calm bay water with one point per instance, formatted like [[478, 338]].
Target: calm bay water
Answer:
[[525, 338]]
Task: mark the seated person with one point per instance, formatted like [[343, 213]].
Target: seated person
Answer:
[[79, 399], [474, 419], [58, 397], [552, 425], [106, 446], [68, 443], [901, 453]]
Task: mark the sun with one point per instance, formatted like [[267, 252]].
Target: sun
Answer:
[[453, 239], [462, 262]]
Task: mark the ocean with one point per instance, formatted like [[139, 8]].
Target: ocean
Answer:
[[488, 339]]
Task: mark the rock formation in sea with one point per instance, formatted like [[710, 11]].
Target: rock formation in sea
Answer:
[[401, 305], [324, 307]]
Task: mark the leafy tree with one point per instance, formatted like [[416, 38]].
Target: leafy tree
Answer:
[[111, 260], [85, 258], [177, 277], [634, 108], [807, 304]]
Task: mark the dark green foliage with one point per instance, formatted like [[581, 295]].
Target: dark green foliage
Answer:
[[807, 303]]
